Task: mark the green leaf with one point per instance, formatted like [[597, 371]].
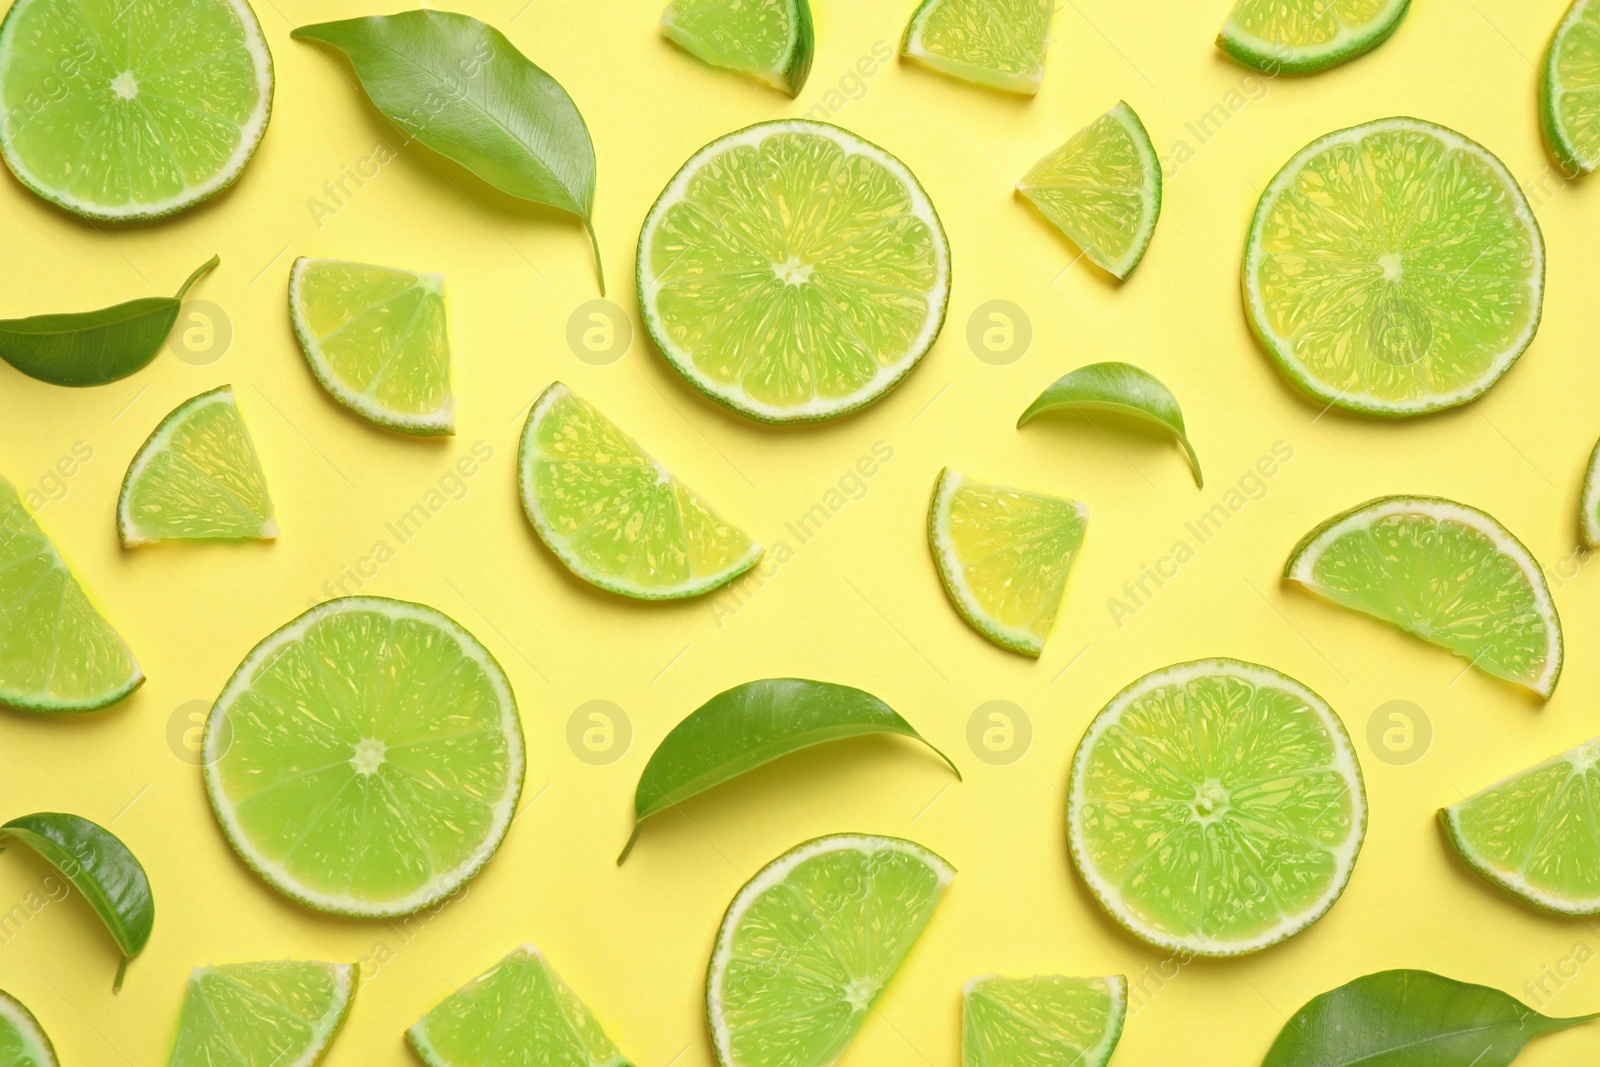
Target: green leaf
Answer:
[[94, 347], [1410, 1019], [1121, 388], [751, 725], [101, 868], [458, 86]]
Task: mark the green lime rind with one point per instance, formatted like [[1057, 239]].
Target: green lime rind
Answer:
[[1042, 1021], [23, 1042], [723, 33], [1590, 503], [1282, 56], [1122, 389], [1569, 104], [274, 1013], [1000, 44]]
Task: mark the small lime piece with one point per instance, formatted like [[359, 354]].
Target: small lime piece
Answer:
[[1048, 1021], [282, 1013], [998, 43], [1569, 89], [1305, 36], [22, 1040], [768, 40], [1591, 500]]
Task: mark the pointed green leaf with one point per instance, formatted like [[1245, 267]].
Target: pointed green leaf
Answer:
[[1121, 388]]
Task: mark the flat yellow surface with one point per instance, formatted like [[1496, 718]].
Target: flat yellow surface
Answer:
[[857, 599]]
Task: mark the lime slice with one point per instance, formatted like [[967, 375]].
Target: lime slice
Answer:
[[793, 271], [1305, 36], [768, 40], [1445, 572], [1048, 1021], [283, 1013], [1004, 555], [22, 1041], [375, 338], [1591, 500], [810, 942], [197, 477], [615, 516], [1216, 807], [517, 1012], [57, 653], [998, 43], [1569, 89], [365, 759], [1394, 268], [1102, 189], [131, 109], [1537, 833]]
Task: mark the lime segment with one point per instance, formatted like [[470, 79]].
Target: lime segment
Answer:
[[768, 40], [1305, 36], [282, 1013], [1569, 89], [22, 1041], [1048, 1021], [998, 43], [1590, 502]]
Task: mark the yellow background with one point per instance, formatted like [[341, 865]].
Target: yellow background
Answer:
[[859, 603]]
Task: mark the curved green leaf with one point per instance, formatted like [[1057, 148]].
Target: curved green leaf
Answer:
[[1410, 1019], [100, 867], [94, 347], [1121, 388], [753, 724], [458, 86]]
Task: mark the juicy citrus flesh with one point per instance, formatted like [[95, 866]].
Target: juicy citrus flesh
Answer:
[[1537, 833], [1004, 555], [1394, 268], [1569, 90], [998, 43], [1302, 36], [1045, 1021], [22, 1042], [793, 271], [517, 1012], [196, 478], [769, 40], [1591, 500], [809, 943], [121, 110], [1102, 189], [615, 516], [279, 1013], [365, 759], [1445, 572], [376, 339], [1216, 807], [57, 653]]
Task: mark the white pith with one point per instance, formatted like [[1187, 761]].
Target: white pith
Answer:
[[327, 1028], [1115, 987], [19, 1019], [1348, 39], [1027, 84]]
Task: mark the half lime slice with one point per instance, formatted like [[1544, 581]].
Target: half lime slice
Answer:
[[1447, 573], [998, 43], [1305, 36], [281, 1013], [119, 111], [1216, 807], [1047, 1021], [1569, 89], [768, 40], [1590, 502], [22, 1040], [1394, 268], [793, 271]]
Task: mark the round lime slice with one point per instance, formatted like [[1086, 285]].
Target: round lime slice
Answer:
[[1569, 89], [1045, 1021], [1216, 807], [998, 43], [1305, 36], [280, 1013], [366, 758], [768, 40], [793, 271], [1591, 500], [131, 109], [1394, 268], [22, 1040]]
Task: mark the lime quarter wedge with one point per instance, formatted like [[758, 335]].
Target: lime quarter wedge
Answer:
[[22, 1040], [1591, 500], [1305, 36], [767, 40], [280, 1013], [998, 43], [1569, 89], [1048, 1021]]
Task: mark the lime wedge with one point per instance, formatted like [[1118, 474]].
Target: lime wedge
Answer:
[[114, 109], [1445, 572], [22, 1041], [810, 942], [1591, 500], [366, 758], [375, 338], [768, 40], [1537, 833], [57, 653], [197, 477], [1394, 268], [998, 43], [1569, 89], [517, 1012], [282, 1013], [1305, 36], [1004, 555], [1048, 1021], [1216, 807], [615, 516], [793, 271]]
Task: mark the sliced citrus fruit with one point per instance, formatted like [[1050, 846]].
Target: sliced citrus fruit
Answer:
[[119, 110], [1569, 89], [1305, 36], [1004, 555], [1591, 500], [1537, 833], [280, 1013], [998, 43], [809, 943], [57, 653], [1394, 268], [197, 477], [1102, 189], [365, 759], [517, 1012], [793, 271], [768, 40], [1447, 573], [1047, 1021], [1216, 807], [22, 1040], [375, 338], [615, 516]]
